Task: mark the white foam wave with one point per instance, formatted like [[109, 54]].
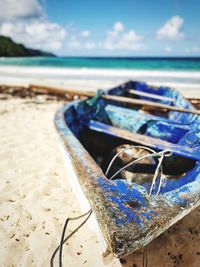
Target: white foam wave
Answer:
[[97, 72], [86, 78]]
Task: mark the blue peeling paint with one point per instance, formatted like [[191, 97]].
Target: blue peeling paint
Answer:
[[146, 215], [180, 196], [127, 200], [180, 101], [127, 212], [138, 122]]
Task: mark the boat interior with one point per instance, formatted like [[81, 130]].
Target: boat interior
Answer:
[[162, 94], [106, 128]]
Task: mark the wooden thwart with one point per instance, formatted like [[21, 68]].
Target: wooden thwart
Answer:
[[142, 139], [150, 95], [147, 103]]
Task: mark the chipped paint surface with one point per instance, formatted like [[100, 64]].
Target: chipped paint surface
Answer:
[[138, 122], [129, 219], [129, 199], [180, 101]]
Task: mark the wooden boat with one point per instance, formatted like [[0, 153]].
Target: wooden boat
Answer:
[[163, 95], [129, 209]]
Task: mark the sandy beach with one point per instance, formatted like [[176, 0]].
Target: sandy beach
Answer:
[[36, 196]]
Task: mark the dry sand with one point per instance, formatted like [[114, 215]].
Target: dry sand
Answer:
[[36, 198], [35, 195]]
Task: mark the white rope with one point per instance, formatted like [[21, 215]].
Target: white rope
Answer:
[[160, 155], [123, 150]]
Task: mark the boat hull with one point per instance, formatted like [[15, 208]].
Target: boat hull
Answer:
[[127, 216]]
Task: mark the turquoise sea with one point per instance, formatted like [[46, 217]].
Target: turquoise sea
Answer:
[[163, 64]]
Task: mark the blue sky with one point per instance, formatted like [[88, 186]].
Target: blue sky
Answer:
[[105, 28]]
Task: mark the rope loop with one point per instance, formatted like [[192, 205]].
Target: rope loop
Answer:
[[160, 155]]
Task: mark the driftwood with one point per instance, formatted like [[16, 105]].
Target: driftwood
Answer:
[[60, 91], [132, 101], [69, 94]]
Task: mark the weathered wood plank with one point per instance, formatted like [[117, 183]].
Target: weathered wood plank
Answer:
[[143, 140], [61, 91], [149, 104], [150, 95]]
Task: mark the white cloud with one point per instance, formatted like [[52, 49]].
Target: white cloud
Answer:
[[119, 39], [168, 49], [116, 39], [12, 9], [85, 33], [79, 40], [74, 44], [77, 44], [39, 34], [24, 21], [171, 30], [192, 50], [118, 27], [90, 45]]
